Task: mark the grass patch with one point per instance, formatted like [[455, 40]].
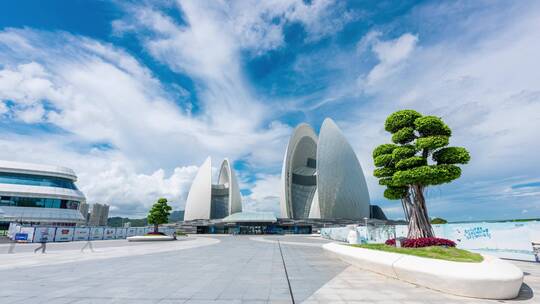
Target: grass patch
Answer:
[[433, 252]]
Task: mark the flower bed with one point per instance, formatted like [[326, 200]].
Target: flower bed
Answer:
[[432, 252], [422, 242]]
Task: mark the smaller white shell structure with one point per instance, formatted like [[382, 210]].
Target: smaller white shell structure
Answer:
[[206, 200]]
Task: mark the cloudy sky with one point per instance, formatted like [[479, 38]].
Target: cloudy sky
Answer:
[[135, 95]]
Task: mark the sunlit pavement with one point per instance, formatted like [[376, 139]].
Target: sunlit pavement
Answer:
[[223, 269]]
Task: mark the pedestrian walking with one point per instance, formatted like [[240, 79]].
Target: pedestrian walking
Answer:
[[43, 240], [88, 245], [12, 246]]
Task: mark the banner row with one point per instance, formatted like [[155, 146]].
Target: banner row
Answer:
[[68, 234]]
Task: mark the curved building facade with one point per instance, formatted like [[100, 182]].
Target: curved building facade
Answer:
[[39, 194], [206, 200], [322, 177]]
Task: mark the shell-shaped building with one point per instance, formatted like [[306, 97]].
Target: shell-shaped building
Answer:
[[321, 176], [213, 201]]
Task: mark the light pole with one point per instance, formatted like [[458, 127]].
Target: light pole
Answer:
[[365, 223]]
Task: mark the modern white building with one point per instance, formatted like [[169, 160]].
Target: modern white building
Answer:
[[207, 200], [39, 194], [321, 176]]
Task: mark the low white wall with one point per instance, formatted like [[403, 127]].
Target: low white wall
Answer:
[[511, 240], [492, 278]]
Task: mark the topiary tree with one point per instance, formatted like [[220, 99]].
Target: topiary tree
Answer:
[[405, 169], [159, 214]]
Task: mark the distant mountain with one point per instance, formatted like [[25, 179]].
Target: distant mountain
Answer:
[[117, 221]]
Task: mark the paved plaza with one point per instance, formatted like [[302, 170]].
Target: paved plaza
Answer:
[[210, 269]]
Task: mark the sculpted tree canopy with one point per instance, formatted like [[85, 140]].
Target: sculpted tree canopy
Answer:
[[417, 158], [159, 214]]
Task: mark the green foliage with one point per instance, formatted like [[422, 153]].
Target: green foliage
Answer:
[[383, 160], [432, 142], [383, 149], [403, 152], [385, 181], [395, 193], [159, 214], [400, 165], [452, 155], [383, 172], [411, 162], [404, 136], [433, 252], [427, 175], [401, 119], [439, 220], [431, 125]]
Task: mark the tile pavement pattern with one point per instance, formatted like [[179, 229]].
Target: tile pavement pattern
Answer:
[[236, 270]]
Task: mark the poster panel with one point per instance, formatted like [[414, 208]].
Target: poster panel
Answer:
[[64, 234], [511, 240], [13, 229], [109, 233], [131, 231], [25, 231], [44, 234], [81, 234], [140, 231], [96, 233], [120, 233]]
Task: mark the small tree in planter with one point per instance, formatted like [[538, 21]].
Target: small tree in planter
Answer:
[[404, 166], [159, 214]]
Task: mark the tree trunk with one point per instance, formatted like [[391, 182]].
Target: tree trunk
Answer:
[[419, 224], [407, 205], [156, 228]]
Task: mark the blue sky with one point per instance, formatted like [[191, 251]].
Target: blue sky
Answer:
[[134, 95]]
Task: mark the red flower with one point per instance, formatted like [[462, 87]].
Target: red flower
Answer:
[[422, 242]]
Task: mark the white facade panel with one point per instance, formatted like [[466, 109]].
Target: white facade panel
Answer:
[[41, 192], [200, 194], [227, 177], [342, 188], [301, 146], [37, 169]]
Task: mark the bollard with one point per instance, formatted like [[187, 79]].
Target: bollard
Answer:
[[536, 251]]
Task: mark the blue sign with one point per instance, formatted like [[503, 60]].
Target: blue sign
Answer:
[[21, 236]]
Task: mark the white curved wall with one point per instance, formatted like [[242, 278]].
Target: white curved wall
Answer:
[[38, 169], [341, 185], [302, 144], [41, 192], [228, 176], [199, 196]]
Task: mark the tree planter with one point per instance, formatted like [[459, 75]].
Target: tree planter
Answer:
[[492, 278], [150, 238]]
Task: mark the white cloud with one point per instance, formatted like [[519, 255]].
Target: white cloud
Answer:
[[483, 81], [101, 95], [390, 53], [265, 194]]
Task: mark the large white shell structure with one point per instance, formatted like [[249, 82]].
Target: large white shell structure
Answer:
[[322, 177]]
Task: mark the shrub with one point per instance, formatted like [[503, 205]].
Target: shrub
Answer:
[[422, 242]]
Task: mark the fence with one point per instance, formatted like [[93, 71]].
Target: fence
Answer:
[[68, 234], [513, 240]]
